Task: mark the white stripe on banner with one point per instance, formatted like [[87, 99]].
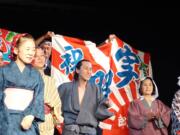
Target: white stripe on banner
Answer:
[[98, 55], [128, 92], [118, 96], [59, 76], [105, 126]]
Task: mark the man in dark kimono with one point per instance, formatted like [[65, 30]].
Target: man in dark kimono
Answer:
[[83, 105]]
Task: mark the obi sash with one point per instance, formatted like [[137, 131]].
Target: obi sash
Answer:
[[47, 109], [18, 99]]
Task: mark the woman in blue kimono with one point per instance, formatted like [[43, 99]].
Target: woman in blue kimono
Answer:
[[21, 91]]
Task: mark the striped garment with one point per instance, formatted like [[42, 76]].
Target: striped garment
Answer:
[[51, 98]]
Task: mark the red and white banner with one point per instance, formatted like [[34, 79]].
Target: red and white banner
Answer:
[[117, 68]]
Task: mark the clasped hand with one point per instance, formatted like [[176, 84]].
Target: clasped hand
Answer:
[[152, 115]]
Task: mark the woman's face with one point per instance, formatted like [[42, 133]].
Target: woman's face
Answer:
[[39, 59], [147, 87], [26, 51]]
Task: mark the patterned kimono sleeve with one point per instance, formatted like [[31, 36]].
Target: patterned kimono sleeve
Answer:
[[164, 113], [102, 111], [135, 119], [37, 107], [176, 104], [175, 115]]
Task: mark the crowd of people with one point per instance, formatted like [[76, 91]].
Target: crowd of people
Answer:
[[31, 104]]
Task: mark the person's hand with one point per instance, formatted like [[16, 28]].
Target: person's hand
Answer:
[[108, 103], [111, 37], [150, 116], [27, 122], [158, 115], [49, 34]]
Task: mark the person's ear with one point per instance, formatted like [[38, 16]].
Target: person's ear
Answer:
[[77, 70], [16, 50]]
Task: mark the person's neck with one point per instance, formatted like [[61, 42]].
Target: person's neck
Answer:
[[82, 83], [148, 97], [20, 64], [40, 70]]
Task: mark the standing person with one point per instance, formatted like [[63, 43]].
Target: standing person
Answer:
[[82, 103], [52, 102], [45, 43], [21, 91], [47, 47], [175, 115], [148, 115]]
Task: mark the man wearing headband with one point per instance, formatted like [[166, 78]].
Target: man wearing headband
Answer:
[[45, 43]]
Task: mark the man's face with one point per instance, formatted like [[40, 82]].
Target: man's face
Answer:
[[47, 50], [85, 71], [39, 59]]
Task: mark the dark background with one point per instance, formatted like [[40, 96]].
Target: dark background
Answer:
[[149, 27]]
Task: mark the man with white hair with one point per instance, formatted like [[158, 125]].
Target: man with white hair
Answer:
[[45, 43], [47, 47]]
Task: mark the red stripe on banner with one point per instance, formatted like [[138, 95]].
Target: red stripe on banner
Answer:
[[124, 95], [74, 41], [56, 59], [120, 42], [78, 43], [146, 58], [134, 50], [117, 128], [106, 49], [133, 89]]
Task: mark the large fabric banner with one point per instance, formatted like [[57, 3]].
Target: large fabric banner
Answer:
[[6, 38], [117, 69]]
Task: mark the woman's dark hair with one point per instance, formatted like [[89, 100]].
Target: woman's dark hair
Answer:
[[154, 88], [78, 66]]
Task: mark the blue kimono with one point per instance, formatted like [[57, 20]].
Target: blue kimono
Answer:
[[30, 79]]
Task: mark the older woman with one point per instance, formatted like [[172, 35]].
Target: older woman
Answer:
[[148, 115]]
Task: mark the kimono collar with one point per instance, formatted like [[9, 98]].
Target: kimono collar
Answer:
[[75, 96], [142, 98]]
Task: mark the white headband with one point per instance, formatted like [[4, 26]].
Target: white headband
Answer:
[[45, 43]]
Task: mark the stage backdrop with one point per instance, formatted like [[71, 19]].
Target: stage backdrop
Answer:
[[117, 68]]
